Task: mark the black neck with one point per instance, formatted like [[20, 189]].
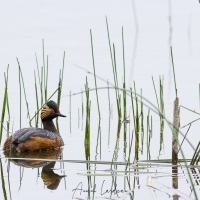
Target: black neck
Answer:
[[49, 125]]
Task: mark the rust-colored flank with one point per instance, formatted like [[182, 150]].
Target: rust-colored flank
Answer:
[[37, 139], [7, 144], [39, 143]]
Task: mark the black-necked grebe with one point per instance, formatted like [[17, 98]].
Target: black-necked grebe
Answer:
[[36, 139]]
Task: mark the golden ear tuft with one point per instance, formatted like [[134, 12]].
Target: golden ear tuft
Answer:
[[45, 112]]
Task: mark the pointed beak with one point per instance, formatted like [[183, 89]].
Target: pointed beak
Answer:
[[60, 115]]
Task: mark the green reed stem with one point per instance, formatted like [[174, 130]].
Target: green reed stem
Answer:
[[61, 77], [109, 113], [39, 80], [4, 103], [95, 80], [22, 80], [60, 84], [142, 122], [3, 182], [137, 127], [42, 85], [113, 60], [133, 108], [184, 137], [124, 81], [196, 155], [173, 71], [191, 123], [109, 100], [37, 102], [155, 93], [58, 97], [162, 113], [46, 72], [99, 135], [88, 108], [148, 136], [116, 149], [20, 101], [8, 122], [118, 96], [115, 70], [160, 105], [136, 124], [124, 91], [108, 33], [193, 111], [129, 154]]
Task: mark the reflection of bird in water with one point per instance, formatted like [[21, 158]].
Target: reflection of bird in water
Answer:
[[37, 139], [41, 159], [34, 159], [50, 179]]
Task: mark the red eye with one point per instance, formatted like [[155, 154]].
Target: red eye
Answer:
[[53, 180], [52, 111]]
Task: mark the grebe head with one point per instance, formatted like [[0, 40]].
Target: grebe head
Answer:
[[50, 110]]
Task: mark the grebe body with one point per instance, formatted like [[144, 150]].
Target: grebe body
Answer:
[[37, 139]]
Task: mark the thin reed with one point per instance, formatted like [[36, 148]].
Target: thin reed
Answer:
[[5, 98], [161, 108], [60, 85], [88, 109], [172, 59], [196, 156], [3, 182], [22, 84], [95, 79], [114, 67]]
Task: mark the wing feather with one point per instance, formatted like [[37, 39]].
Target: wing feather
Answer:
[[25, 134]]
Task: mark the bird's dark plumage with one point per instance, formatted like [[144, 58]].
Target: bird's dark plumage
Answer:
[[36, 139]]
